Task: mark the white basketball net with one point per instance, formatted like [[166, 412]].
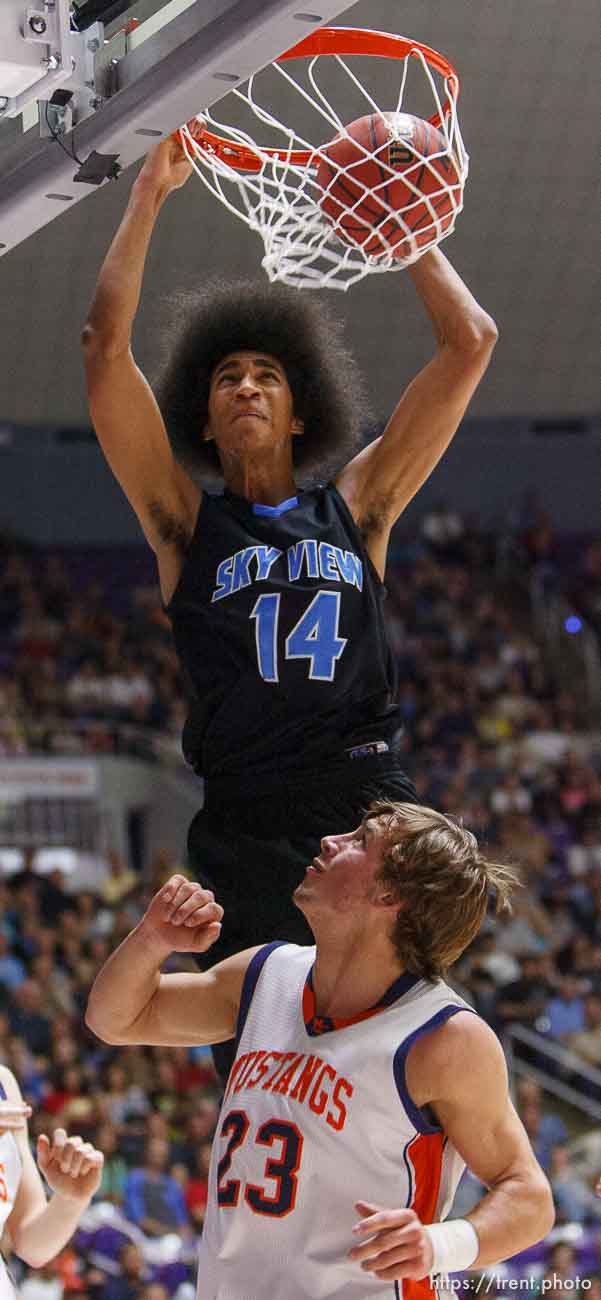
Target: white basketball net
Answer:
[[281, 199]]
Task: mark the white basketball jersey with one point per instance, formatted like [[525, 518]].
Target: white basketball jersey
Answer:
[[10, 1177], [316, 1116]]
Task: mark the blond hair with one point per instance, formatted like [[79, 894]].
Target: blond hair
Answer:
[[434, 866]]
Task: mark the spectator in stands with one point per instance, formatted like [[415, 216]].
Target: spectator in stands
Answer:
[[544, 1128], [164, 1096], [586, 590], [36, 634], [58, 989], [565, 1010], [133, 1276], [203, 1121], [123, 1099], [510, 796], [525, 999], [443, 528], [119, 882], [486, 958], [515, 701], [578, 790], [196, 1189], [560, 913], [12, 971], [86, 690], [153, 1199], [522, 838], [65, 1085], [580, 958], [193, 1073], [587, 1041], [55, 586], [527, 929], [27, 1018], [128, 690], [585, 856], [114, 1173], [575, 1200]]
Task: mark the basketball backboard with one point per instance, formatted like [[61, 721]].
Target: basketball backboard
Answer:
[[132, 80]]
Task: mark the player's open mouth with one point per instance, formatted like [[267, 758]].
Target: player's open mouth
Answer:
[[316, 866]]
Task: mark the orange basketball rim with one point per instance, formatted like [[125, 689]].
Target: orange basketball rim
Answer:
[[344, 41]]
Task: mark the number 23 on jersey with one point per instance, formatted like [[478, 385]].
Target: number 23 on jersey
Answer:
[[281, 1168]]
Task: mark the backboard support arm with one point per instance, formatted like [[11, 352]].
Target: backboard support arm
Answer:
[[188, 65]]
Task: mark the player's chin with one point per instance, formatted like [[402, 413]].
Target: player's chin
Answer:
[[301, 895], [253, 430]]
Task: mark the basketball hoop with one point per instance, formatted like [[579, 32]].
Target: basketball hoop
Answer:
[[274, 187]]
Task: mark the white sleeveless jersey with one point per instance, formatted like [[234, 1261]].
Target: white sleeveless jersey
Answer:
[[316, 1116], [10, 1177]]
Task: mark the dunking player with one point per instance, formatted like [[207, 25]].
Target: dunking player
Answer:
[[38, 1229], [275, 595], [349, 1112]]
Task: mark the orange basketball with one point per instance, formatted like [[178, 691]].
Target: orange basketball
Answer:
[[361, 201]]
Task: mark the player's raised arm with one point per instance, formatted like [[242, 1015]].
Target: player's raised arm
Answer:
[[131, 1002], [124, 412], [383, 478], [477, 1117]]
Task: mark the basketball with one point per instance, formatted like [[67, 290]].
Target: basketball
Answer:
[[378, 169]]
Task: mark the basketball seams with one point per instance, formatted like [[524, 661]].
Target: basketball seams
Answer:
[[379, 214], [341, 184], [423, 143], [376, 147]]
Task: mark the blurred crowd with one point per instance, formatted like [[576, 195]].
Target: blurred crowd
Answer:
[[151, 1111], [489, 736], [82, 659]]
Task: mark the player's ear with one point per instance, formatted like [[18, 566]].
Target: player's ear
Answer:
[[207, 436], [386, 898], [297, 427]]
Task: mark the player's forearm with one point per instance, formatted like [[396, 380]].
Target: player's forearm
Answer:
[[40, 1238], [458, 320], [125, 985], [515, 1214], [117, 294]]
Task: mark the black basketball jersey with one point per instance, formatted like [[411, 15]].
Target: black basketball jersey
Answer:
[[277, 619]]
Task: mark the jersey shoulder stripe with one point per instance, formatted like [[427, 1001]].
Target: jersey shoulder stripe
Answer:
[[417, 1115], [255, 966]]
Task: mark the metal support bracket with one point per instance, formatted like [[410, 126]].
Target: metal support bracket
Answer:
[[188, 65]]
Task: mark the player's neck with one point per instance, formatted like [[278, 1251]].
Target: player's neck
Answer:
[[351, 977], [267, 480]]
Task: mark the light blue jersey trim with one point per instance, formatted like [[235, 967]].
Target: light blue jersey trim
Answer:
[[275, 511]]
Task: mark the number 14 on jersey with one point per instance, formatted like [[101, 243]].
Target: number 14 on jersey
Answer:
[[313, 637]]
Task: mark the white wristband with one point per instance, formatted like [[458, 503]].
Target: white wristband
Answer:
[[455, 1245]]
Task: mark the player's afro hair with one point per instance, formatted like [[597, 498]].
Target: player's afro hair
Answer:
[[247, 315]]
